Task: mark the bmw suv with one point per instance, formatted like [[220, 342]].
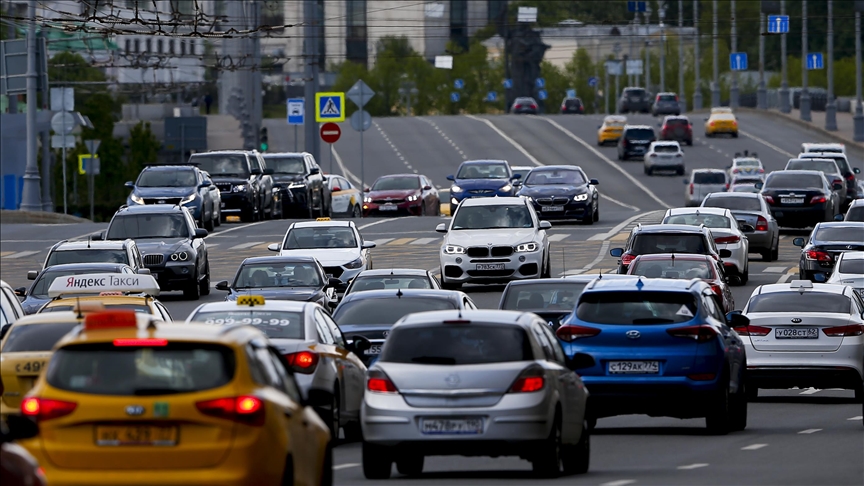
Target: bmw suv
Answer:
[[302, 187], [244, 181]]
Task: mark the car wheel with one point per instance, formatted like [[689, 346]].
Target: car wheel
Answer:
[[288, 472], [208, 224], [192, 290], [775, 253], [410, 464], [718, 418], [690, 142], [596, 215], [353, 432], [356, 212], [333, 415], [247, 215], [746, 275], [576, 458], [648, 171], [204, 285], [738, 407], [766, 255], [546, 462], [217, 218], [735, 135], [546, 271], [377, 461], [752, 392], [327, 466], [590, 219]]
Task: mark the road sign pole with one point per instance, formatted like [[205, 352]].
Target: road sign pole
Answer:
[[362, 168], [858, 118], [733, 91], [331, 158], [296, 142], [831, 107], [804, 102], [606, 92], [90, 179], [65, 197], [697, 86], [715, 85], [616, 92], [784, 83], [761, 93]]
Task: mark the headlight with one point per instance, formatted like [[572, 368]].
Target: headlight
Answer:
[[580, 197], [296, 185], [455, 188], [453, 200], [413, 197], [240, 188], [136, 199], [188, 199], [355, 263], [453, 250], [526, 247], [506, 188], [179, 256], [367, 199]]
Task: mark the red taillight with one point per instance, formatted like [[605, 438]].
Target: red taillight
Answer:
[[761, 224], [141, 342], [627, 258], [837, 181], [818, 199], [517, 106], [819, 256], [724, 240], [653, 155], [244, 409], [711, 124], [751, 330], [530, 380], [533, 107], [735, 171], [850, 177], [302, 362], [379, 382], [717, 290], [769, 199], [569, 334], [700, 334], [46, 409], [727, 186], [691, 188], [844, 331]]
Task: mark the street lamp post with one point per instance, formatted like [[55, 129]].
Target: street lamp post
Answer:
[[715, 85], [31, 199], [784, 83], [697, 85], [647, 15], [733, 91], [761, 93], [682, 97], [831, 107], [662, 14], [858, 119], [804, 103]]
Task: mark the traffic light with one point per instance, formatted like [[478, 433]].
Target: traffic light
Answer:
[[264, 144]]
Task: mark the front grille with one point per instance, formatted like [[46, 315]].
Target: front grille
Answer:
[[224, 187], [335, 272], [154, 259], [162, 200], [388, 201], [477, 252], [482, 191], [502, 251], [490, 273], [558, 201]]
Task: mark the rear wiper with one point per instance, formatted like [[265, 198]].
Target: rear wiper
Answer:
[[653, 320], [442, 360], [155, 391]]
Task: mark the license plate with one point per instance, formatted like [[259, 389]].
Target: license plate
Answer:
[[644, 367], [388, 207], [792, 200], [136, 435], [374, 349], [551, 209], [490, 266], [469, 426], [796, 333]]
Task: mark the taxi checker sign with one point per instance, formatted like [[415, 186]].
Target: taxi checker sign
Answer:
[[96, 283], [330, 107], [330, 132]]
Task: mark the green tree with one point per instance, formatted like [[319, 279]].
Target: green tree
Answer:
[[143, 147]]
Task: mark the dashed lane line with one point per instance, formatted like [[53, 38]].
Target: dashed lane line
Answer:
[[693, 466], [243, 246], [620, 482], [600, 256], [753, 447], [446, 138], [392, 145], [347, 173], [775, 270], [809, 431], [223, 232], [558, 237], [859, 417]]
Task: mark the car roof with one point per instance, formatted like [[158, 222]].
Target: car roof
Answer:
[[791, 287], [615, 118], [170, 167], [631, 127], [151, 327], [798, 172], [746, 157], [697, 210], [484, 162], [86, 266], [841, 224], [558, 167], [279, 259], [709, 170], [666, 142], [150, 209], [517, 318], [390, 176], [493, 201], [856, 203], [586, 278], [668, 228], [663, 284], [405, 294], [541, 281], [749, 195], [91, 245], [282, 154], [670, 256], [314, 224], [269, 305], [392, 271], [852, 255], [676, 117]]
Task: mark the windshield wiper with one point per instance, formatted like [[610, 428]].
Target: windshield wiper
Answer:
[[442, 360]]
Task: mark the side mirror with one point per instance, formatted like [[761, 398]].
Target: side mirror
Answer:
[[856, 170], [725, 254], [594, 182], [333, 282], [32, 274], [616, 252], [200, 233], [820, 278], [686, 181], [451, 178], [427, 188], [747, 228], [368, 244], [143, 271], [21, 427], [838, 217], [544, 225], [516, 176], [736, 319], [255, 171], [441, 228], [222, 285], [599, 127], [368, 189], [269, 171], [336, 189], [273, 247], [204, 184], [580, 361], [837, 187], [759, 185], [100, 235], [130, 184], [360, 344], [314, 171], [798, 242], [4, 330]]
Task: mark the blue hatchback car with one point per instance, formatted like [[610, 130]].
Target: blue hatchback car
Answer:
[[660, 347], [481, 178]]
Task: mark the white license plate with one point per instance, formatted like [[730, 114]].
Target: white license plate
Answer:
[[792, 200], [643, 367], [468, 426], [490, 266], [374, 349], [796, 333], [388, 207], [551, 209]]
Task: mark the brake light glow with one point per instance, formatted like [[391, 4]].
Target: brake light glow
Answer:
[[817, 255], [379, 382], [818, 199], [517, 106], [110, 320], [627, 258], [735, 171], [691, 188], [769, 199], [302, 362], [761, 224], [717, 289], [723, 240], [751, 330], [569, 333], [850, 177], [140, 342], [46, 409], [844, 331], [533, 107], [244, 409], [529, 381], [700, 334]]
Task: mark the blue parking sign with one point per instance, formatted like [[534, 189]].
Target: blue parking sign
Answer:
[[571, 93], [458, 84], [542, 94], [738, 61], [814, 61], [491, 96], [508, 83], [540, 83]]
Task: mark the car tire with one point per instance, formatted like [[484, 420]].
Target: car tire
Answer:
[[648, 171], [689, 142], [735, 135], [247, 215], [288, 472], [333, 415], [410, 464], [576, 458], [718, 420], [546, 460], [775, 253], [745, 277], [204, 284], [596, 215], [192, 291], [590, 219], [377, 461], [357, 213], [766, 255], [738, 407], [752, 393], [546, 271], [207, 223], [327, 466], [423, 209]]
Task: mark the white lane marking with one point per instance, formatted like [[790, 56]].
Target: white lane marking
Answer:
[[347, 173], [856, 418], [614, 231], [423, 241], [222, 233], [558, 237], [441, 132], [810, 391], [809, 431], [753, 447], [382, 241], [607, 160], [600, 255], [245, 245], [785, 278], [767, 144], [620, 482], [774, 270], [340, 467], [693, 466], [536, 162], [390, 220], [21, 254]]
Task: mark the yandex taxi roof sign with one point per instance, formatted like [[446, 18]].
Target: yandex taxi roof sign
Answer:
[[96, 283]]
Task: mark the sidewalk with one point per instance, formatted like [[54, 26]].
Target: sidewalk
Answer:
[[844, 133], [223, 133]]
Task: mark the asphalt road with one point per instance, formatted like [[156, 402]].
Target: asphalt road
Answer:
[[794, 436]]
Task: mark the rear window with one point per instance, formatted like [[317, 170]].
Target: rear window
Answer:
[[678, 269], [709, 178], [855, 267], [554, 296], [390, 282], [800, 302], [793, 181], [640, 307], [824, 166], [640, 134], [634, 92], [853, 234], [677, 122], [386, 311], [840, 159], [709, 220], [646, 244], [87, 256], [855, 214], [734, 203], [457, 345], [104, 369], [275, 324], [570, 103], [36, 337], [668, 149], [667, 98]]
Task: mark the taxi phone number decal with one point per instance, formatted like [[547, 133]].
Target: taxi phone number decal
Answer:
[[255, 321]]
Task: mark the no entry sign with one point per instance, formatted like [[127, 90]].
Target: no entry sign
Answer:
[[330, 132]]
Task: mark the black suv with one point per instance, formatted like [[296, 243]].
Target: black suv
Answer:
[[243, 180], [634, 141], [173, 247], [667, 238], [572, 105], [301, 185], [819, 251], [634, 100]]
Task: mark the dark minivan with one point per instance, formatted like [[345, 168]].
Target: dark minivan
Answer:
[[635, 141]]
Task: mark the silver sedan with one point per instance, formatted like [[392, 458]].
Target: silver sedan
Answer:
[[753, 210], [474, 383]]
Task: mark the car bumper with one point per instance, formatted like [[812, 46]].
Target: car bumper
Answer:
[[664, 162], [571, 211], [739, 257], [463, 269], [173, 275], [609, 137], [815, 266], [638, 151], [671, 396], [236, 202], [760, 240], [843, 368], [799, 217], [636, 106], [411, 208]]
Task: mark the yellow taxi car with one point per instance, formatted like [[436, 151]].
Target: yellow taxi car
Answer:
[[137, 292], [346, 199], [722, 120], [127, 399], [611, 129]]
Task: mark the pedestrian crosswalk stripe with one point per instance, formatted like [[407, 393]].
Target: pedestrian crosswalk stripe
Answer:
[[423, 241], [401, 241], [382, 241], [20, 254], [558, 237], [774, 270], [620, 237], [243, 246]]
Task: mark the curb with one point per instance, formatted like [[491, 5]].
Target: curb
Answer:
[[38, 217], [804, 124]]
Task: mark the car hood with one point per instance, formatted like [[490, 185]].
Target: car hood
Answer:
[[164, 191], [395, 193], [280, 293], [32, 304], [552, 190], [496, 237], [470, 184], [163, 245], [328, 257]]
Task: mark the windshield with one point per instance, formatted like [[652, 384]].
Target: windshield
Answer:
[[747, 163], [390, 282], [387, 311], [491, 217], [265, 275], [483, 171], [36, 337], [666, 149], [546, 177], [824, 166], [166, 178], [641, 307], [709, 178], [560, 296], [40, 286], [457, 345], [104, 369], [141, 309], [734, 203], [396, 184], [855, 214], [678, 269], [800, 302], [320, 237], [223, 165], [139, 226], [793, 181], [640, 134], [291, 165], [709, 220], [275, 324], [674, 243], [86, 256], [851, 234]]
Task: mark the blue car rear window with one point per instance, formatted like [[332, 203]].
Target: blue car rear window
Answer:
[[636, 307]]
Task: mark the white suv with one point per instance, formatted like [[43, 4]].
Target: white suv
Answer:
[[664, 155]]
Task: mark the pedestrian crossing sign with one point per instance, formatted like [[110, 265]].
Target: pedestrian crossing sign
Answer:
[[331, 107]]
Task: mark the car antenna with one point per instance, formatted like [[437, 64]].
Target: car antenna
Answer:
[[78, 305], [399, 293], [673, 259], [600, 273], [89, 237]]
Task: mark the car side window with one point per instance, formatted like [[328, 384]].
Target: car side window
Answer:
[[334, 328], [289, 386], [323, 329], [255, 163], [255, 369], [544, 342], [711, 308], [555, 344]]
